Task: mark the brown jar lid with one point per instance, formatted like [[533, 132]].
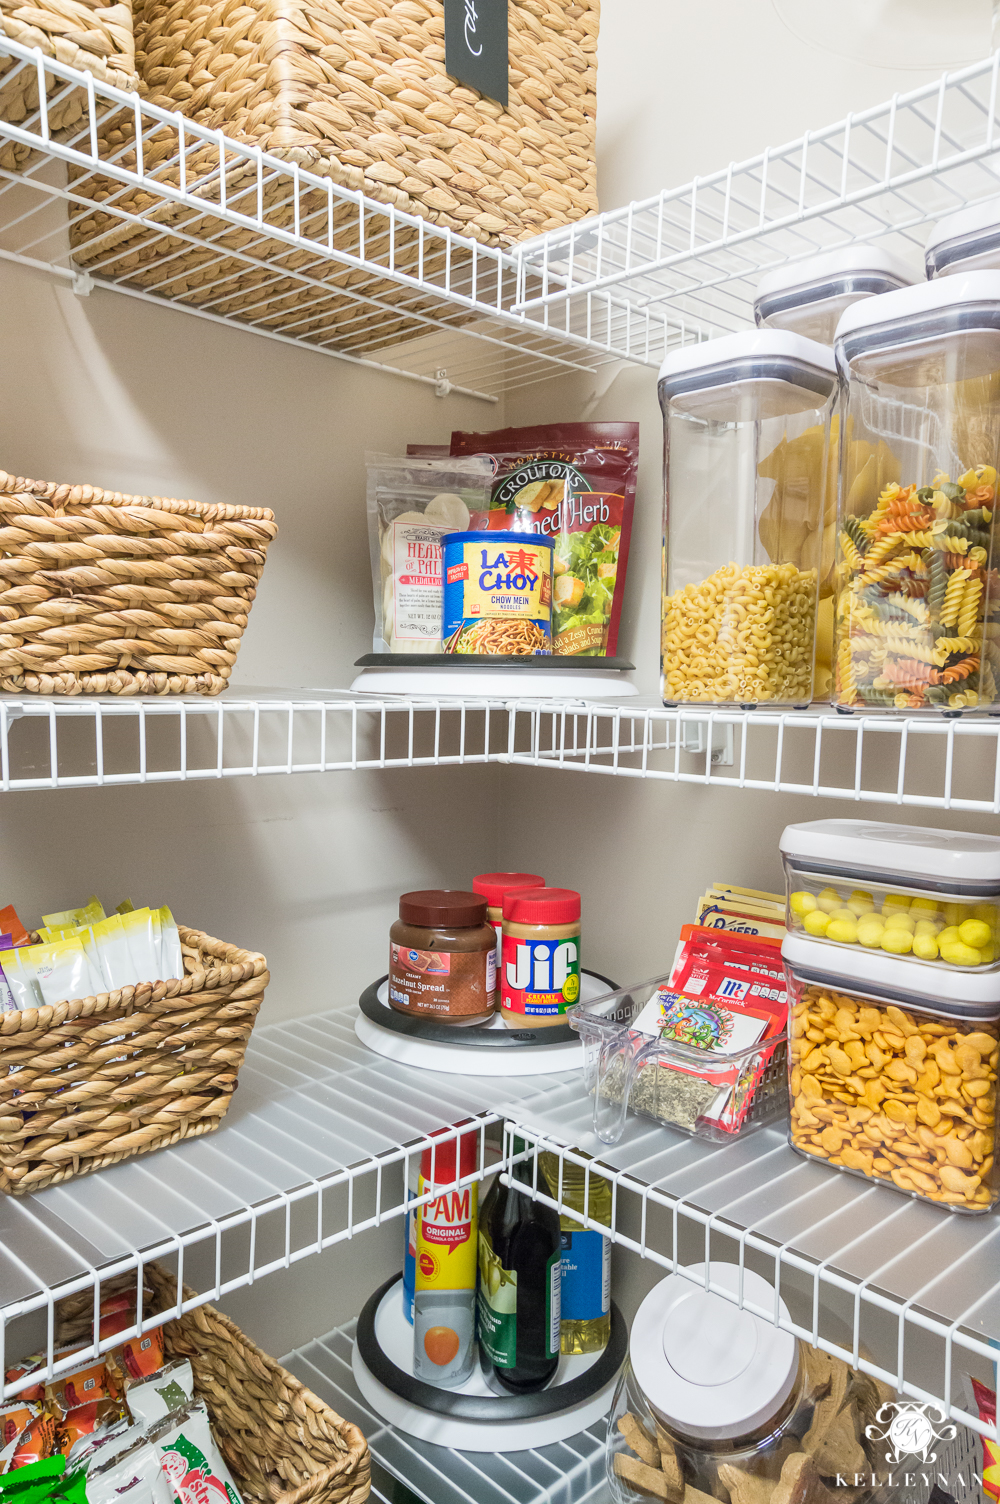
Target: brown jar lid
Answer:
[[443, 908]]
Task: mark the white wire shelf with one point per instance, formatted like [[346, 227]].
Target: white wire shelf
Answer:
[[932, 763], [49, 743], [138, 200], [883, 175], [568, 1472], [313, 1151], [887, 1283]]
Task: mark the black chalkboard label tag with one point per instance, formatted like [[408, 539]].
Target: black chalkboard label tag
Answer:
[[475, 44]]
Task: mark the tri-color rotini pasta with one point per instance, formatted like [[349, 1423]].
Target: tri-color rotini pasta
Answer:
[[918, 605]]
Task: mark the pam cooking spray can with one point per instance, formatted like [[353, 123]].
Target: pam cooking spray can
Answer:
[[444, 1308]]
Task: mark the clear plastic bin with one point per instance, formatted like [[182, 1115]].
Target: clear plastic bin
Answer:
[[734, 1092], [920, 895], [918, 608], [808, 297], [965, 242], [747, 477], [893, 1071], [717, 1402]]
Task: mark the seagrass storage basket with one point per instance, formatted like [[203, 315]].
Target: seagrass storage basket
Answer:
[[88, 1083], [102, 593], [282, 1444], [357, 90], [90, 35]]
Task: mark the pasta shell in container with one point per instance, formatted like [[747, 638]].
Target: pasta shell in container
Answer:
[[749, 520], [412, 502]]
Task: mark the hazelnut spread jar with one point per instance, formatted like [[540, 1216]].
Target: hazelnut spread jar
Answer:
[[442, 957], [540, 977]]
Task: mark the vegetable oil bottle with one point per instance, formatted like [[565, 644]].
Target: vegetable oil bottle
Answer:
[[586, 1257], [519, 1284]]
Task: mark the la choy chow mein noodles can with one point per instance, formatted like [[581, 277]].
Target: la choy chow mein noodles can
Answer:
[[497, 593]]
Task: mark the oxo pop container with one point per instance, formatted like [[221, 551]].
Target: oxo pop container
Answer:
[[746, 423], [718, 1400], [893, 1071], [929, 898], [917, 609], [965, 242], [808, 297]]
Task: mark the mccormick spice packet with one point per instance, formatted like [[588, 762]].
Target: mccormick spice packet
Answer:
[[574, 483], [191, 1461]]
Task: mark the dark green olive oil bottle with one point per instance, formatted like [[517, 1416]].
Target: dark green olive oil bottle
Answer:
[[518, 1308]]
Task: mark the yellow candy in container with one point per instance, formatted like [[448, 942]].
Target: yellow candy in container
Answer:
[[928, 896]]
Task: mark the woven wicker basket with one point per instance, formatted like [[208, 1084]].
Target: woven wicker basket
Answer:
[[282, 1444], [109, 594], [94, 37], [358, 89], [86, 1084]]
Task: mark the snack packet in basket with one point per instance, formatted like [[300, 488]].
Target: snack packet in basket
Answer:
[[412, 503], [191, 1460], [32, 1482], [15, 1417], [152, 1399], [89, 913], [574, 483], [134, 1476], [21, 979], [112, 1436], [137, 1358]]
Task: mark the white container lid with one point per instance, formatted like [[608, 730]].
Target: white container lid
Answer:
[[966, 241], [952, 860], [753, 375], [947, 991], [748, 345], [921, 299], [708, 1369], [834, 266]]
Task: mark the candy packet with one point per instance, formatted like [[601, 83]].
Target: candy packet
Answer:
[[90, 912], [412, 503], [191, 1460], [152, 1399], [135, 1475], [574, 483]]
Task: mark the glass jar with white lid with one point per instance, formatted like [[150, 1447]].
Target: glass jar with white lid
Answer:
[[808, 297], [917, 606], [719, 1402], [747, 480]]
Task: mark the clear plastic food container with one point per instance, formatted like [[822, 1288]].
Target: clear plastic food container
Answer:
[[746, 458], [711, 1093], [965, 242], [718, 1402], [893, 1070], [808, 297], [918, 608], [930, 896]]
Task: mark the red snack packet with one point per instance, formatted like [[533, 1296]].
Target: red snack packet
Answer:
[[12, 926], [83, 1420], [15, 1418], [987, 1402], [35, 1393], [139, 1356], [574, 483], [37, 1440], [84, 1385], [730, 938]]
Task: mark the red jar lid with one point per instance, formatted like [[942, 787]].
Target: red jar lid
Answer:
[[542, 906], [442, 908], [493, 885]]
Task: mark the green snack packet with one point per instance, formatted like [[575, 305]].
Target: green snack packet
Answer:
[[34, 1482]]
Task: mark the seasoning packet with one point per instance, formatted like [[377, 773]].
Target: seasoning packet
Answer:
[[412, 503], [152, 1399], [986, 1403], [574, 483], [723, 915], [191, 1460]]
